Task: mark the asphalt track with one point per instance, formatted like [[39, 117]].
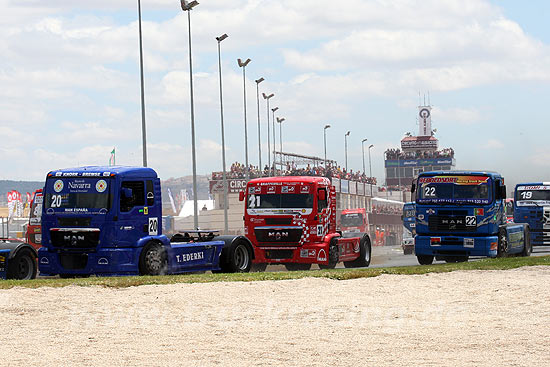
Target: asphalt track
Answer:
[[391, 256]]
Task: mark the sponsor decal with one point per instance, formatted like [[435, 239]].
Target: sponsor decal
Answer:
[[271, 190], [101, 185], [430, 211], [304, 190], [538, 187], [284, 189], [457, 180], [252, 190], [190, 257], [322, 256], [58, 174], [58, 186], [469, 242], [258, 190], [478, 211], [421, 216], [305, 253], [106, 174]]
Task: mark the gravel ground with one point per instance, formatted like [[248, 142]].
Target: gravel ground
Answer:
[[474, 318]]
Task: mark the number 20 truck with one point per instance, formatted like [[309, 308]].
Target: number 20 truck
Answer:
[[107, 221], [461, 214]]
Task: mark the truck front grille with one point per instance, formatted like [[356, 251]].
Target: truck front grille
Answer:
[[73, 261], [449, 223], [278, 235], [74, 238]]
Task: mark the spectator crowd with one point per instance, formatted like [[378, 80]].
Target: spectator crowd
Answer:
[[238, 170], [398, 154]]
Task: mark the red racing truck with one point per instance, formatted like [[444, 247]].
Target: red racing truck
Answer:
[[354, 222], [291, 220]]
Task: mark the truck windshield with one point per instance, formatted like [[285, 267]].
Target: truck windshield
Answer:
[[36, 209], [351, 220], [466, 189], [77, 195], [532, 195], [280, 201]]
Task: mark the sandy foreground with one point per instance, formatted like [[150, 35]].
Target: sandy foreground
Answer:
[[474, 318]]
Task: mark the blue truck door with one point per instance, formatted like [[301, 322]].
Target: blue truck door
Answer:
[[133, 221]]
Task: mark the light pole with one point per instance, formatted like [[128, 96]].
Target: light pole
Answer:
[[247, 169], [346, 149], [258, 81], [267, 98], [274, 139], [280, 121], [363, 151], [187, 6], [370, 171], [327, 126], [224, 177], [143, 130]]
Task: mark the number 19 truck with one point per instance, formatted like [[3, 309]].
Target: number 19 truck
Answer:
[[532, 206], [106, 221], [461, 214]]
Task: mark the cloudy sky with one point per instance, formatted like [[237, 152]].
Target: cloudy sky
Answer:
[[69, 75]]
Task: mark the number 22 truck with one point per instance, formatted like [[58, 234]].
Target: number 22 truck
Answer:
[[461, 214], [107, 221]]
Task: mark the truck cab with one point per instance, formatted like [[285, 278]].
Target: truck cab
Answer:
[[354, 222], [107, 221], [291, 220], [532, 206], [461, 214]]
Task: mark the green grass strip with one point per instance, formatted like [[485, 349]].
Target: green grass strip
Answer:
[[337, 274]]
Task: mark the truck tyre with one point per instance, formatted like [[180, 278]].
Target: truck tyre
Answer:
[[425, 259], [238, 258], [333, 256], [153, 259], [22, 266], [528, 246], [363, 260], [502, 249], [297, 267], [258, 267]]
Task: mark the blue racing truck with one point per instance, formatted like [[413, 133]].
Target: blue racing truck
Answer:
[[461, 214], [409, 225], [532, 206], [107, 221]]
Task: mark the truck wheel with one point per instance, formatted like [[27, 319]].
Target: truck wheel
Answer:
[[528, 246], [363, 260], [259, 267], [22, 266], [425, 259], [238, 259], [502, 249], [153, 259], [333, 256], [297, 267]]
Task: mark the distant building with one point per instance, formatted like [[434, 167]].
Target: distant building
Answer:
[[417, 154]]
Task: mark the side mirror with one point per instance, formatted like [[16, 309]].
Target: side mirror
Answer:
[[241, 195], [413, 188], [322, 195], [127, 193], [502, 192]]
